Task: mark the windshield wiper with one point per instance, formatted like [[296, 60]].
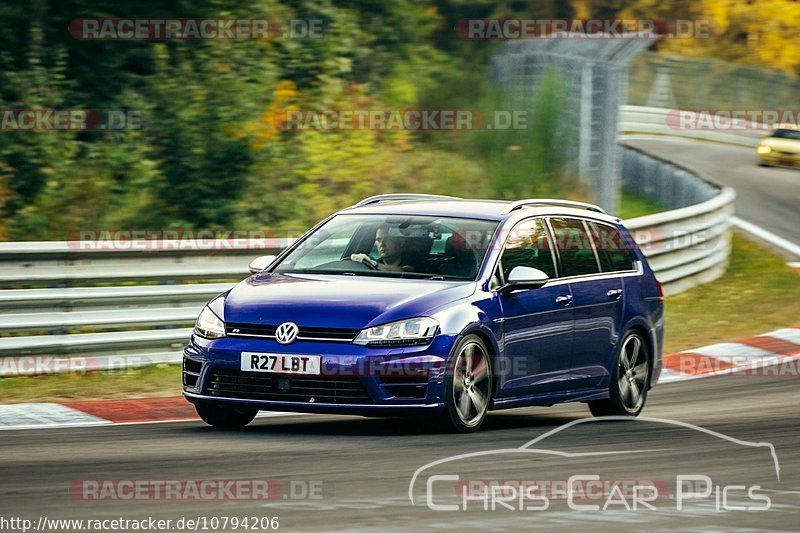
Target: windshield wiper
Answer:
[[375, 274]]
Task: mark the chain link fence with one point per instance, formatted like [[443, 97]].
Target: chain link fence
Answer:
[[599, 75], [592, 72], [673, 82]]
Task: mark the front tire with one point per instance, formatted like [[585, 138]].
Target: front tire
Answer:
[[226, 417], [468, 386], [629, 379]]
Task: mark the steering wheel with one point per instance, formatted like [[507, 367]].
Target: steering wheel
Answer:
[[371, 264]]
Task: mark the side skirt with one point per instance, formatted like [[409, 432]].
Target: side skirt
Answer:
[[550, 398]]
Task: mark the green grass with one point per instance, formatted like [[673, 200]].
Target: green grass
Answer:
[[149, 381], [632, 206], [758, 293]]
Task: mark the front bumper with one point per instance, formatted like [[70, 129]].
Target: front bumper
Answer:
[[354, 379], [780, 159], [319, 408]]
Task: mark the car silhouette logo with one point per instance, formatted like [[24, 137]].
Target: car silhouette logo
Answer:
[[287, 333]]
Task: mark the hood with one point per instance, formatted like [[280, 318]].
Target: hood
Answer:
[[788, 145], [349, 302]]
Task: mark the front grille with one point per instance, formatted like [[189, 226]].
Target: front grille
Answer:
[[191, 371], [305, 333], [230, 383]]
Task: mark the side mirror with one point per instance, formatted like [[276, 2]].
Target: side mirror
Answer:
[[522, 277], [260, 263]]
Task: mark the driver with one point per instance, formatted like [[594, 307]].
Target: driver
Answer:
[[390, 249]]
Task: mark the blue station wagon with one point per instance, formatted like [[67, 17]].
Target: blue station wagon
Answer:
[[409, 304]]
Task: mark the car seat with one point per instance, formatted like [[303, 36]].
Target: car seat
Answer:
[[460, 260]]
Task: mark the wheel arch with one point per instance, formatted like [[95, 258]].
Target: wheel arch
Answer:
[[644, 331], [483, 332]]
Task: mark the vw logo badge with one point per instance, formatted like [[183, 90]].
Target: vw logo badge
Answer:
[[286, 333]]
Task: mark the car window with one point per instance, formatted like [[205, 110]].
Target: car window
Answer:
[[603, 256], [614, 252], [327, 246], [574, 247], [440, 239], [413, 246], [528, 244], [437, 246]]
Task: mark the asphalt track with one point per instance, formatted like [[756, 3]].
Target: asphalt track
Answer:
[[364, 466], [768, 197]]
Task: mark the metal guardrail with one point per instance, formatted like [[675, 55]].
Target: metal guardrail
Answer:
[[689, 244], [654, 121], [110, 327], [54, 263]]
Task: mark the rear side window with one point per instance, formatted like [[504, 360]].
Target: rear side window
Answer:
[[528, 245], [614, 251], [574, 247]]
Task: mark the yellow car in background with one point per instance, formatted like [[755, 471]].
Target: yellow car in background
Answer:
[[781, 148]]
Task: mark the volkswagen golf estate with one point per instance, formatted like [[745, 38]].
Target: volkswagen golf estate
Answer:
[[410, 304]]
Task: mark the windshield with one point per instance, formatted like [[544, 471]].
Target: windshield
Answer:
[[393, 246], [787, 134]]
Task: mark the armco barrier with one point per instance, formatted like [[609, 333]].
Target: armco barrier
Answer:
[[685, 246], [689, 244], [653, 121], [44, 320], [700, 213]]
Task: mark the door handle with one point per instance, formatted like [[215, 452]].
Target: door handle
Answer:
[[614, 293], [564, 300]]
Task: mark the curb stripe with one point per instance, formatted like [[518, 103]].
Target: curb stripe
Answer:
[[759, 351], [772, 344], [35, 415], [138, 410], [788, 334], [698, 363]]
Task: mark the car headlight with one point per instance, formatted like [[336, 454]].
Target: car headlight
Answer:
[[763, 149], [402, 333], [209, 325]]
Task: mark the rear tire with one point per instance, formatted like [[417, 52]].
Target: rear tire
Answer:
[[468, 387], [226, 417], [629, 378]]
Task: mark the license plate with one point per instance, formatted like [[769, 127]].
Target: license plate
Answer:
[[280, 363]]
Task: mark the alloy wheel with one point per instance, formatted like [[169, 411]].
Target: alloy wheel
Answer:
[[471, 384], [632, 374]]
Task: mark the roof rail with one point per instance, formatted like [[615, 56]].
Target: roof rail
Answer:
[[402, 196], [550, 201]]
